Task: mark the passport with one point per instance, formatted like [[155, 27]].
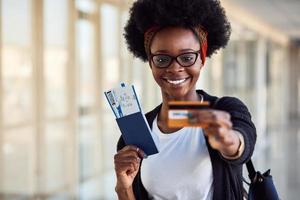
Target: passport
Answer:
[[136, 131], [130, 118]]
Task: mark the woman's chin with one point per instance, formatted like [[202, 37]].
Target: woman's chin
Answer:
[[177, 95]]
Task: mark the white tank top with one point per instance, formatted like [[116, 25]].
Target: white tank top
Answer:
[[182, 169]]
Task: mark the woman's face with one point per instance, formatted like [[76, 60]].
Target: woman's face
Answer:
[[176, 82]]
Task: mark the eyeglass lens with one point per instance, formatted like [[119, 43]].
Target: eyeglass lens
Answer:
[[185, 60]]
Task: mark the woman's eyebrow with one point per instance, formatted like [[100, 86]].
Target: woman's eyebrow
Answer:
[[166, 51], [185, 50], [161, 51]]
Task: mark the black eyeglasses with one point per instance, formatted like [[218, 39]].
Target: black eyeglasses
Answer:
[[164, 60]]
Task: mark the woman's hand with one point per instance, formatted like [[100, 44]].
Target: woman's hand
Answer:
[[217, 127], [127, 163]]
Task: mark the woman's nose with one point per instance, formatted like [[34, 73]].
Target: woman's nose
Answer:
[[175, 67]]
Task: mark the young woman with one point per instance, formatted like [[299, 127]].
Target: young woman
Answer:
[[175, 37]]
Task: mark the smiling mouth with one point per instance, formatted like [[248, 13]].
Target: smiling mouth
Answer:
[[176, 82]]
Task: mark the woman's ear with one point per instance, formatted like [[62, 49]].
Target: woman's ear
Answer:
[[201, 65]]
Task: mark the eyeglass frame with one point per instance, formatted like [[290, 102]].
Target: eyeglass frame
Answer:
[[174, 58]]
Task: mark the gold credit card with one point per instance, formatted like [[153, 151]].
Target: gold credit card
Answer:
[[179, 113]]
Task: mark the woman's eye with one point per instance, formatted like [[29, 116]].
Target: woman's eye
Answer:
[[187, 58], [161, 59]]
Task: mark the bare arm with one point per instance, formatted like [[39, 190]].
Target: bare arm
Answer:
[[125, 194], [127, 163]]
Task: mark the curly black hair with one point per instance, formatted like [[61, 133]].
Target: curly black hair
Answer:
[[145, 14]]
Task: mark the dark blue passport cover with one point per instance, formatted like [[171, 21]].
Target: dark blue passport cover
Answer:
[[136, 132]]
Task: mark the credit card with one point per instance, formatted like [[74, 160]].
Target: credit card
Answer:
[[179, 113]]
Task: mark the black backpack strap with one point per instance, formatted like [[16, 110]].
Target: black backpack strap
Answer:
[[150, 116], [251, 170]]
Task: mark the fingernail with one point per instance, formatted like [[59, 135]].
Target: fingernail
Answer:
[[190, 115]]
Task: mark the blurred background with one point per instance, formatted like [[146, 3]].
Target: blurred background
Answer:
[[57, 132]]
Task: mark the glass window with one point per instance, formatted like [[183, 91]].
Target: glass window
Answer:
[[89, 144], [56, 139], [110, 61], [56, 148], [110, 35], [86, 59], [230, 68], [16, 18], [89, 139], [16, 61], [18, 161], [126, 68], [114, 71], [276, 74], [87, 6], [55, 56]]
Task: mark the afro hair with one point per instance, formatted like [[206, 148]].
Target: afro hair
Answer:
[[145, 14]]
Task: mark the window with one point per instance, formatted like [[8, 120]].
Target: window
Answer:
[[55, 142], [17, 97]]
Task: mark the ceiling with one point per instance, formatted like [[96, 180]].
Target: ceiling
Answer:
[[281, 16]]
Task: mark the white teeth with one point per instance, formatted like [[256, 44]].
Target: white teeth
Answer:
[[176, 82]]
